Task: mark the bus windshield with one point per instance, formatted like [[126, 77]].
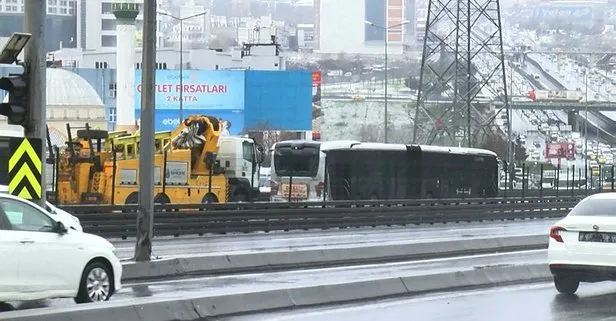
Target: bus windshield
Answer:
[[302, 162]]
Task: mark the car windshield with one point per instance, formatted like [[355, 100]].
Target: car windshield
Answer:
[[595, 207]]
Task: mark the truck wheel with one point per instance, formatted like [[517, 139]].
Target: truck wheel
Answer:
[[209, 198], [133, 198], [240, 197], [162, 199]]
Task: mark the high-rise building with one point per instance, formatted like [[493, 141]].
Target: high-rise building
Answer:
[[60, 21], [96, 24], [340, 26], [195, 31]]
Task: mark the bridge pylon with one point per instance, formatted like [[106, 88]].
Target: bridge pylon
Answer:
[[463, 59]]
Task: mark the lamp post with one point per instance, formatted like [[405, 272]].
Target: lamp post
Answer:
[[181, 20], [386, 69], [586, 128]]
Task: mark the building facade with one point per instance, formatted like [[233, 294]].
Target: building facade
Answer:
[[341, 26], [60, 22], [96, 24]]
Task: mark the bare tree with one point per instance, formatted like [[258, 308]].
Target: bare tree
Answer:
[[264, 134]]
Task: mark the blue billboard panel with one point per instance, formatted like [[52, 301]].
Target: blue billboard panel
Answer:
[[203, 89], [280, 100], [169, 119]]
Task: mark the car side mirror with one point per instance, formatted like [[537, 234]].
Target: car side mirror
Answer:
[[60, 228]]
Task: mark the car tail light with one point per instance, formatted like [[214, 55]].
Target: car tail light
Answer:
[[319, 189], [273, 188], [555, 233]]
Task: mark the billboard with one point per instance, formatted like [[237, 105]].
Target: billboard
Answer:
[[168, 119], [206, 92], [278, 100], [252, 99], [560, 150], [203, 89]]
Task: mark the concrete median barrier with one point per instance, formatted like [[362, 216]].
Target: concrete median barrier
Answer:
[[199, 307], [326, 257]]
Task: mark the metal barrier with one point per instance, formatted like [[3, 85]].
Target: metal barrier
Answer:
[[176, 220]]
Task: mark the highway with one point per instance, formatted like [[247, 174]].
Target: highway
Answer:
[[536, 302], [259, 282], [599, 120], [236, 243]]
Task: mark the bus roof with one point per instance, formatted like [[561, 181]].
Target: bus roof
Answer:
[[457, 150], [424, 148], [334, 144]]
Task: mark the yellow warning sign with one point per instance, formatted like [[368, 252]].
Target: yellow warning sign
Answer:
[[25, 168]]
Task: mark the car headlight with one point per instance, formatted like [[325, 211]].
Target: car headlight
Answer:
[[114, 251]]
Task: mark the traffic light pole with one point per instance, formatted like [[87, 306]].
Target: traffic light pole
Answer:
[[35, 66], [145, 216]]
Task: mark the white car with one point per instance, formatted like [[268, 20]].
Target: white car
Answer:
[[40, 258], [582, 246], [69, 220]]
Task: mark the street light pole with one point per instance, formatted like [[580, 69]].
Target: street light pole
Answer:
[[386, 84], [181, 20], [586, 129], [386, 29]]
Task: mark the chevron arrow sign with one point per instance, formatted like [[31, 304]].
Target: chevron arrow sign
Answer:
[[25, 167]]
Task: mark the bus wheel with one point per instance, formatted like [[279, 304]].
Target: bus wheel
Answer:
[[162, 198], [133, 198]]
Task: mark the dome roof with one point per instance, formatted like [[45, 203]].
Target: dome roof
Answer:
[[66, 88]]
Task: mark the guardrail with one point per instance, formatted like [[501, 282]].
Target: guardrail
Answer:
[[119, 221]]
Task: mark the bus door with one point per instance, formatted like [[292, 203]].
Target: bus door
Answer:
[[413, 182]]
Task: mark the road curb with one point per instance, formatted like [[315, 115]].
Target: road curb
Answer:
[[198, 308], [326, 257]]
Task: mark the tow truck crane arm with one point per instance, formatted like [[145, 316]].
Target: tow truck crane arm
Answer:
[[200, 134]]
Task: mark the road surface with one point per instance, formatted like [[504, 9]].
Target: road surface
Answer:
[[240, 243], [539, 302]]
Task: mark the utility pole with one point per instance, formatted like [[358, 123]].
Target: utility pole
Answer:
[[145, 215], [36, 66]]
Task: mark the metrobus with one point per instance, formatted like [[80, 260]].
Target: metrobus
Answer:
[[359, 171], [300, 164], [394, 171]]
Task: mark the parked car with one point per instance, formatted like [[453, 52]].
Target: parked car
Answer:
[[69, 220], [582, 246], [41, 258]]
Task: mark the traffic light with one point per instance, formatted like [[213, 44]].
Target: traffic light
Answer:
[[16, 108]]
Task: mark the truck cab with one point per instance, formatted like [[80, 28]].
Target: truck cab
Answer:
[[240, 159]]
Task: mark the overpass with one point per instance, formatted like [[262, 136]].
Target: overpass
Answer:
[[566, 106]]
